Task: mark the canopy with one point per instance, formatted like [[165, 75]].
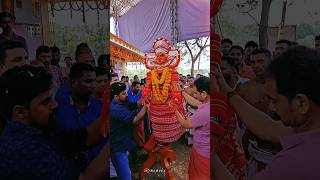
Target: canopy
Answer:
[[119, 49], [145, 20]]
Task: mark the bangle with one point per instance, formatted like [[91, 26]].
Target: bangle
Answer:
[[232, 93]]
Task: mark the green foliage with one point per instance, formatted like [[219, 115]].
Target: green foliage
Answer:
[[67, 38]]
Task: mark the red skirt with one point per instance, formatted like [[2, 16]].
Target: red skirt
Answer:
[[199, 166]]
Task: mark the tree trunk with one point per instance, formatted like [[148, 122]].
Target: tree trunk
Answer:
[[199, 65], [192, 67], [264, 23]]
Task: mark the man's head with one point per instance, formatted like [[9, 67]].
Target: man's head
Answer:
[[183, 79], [190, 80], [43, 54], [68, 61], [83, 77], [104, 61], [12, 54], [317, 42], [249, 47], [136, 87], [26, 95], [114, 78], [55, 52], [202, 89], [228, 67], [226, 44], [84, 54], [136, 78], [292, 86], [236, 52], [123, 79], [281, 46], [198, 75], [260, 58], [102, 80], [6, 22], [127, 78], [118, 92]]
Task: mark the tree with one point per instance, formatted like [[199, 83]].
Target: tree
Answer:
[[195, 47], [249, 5]]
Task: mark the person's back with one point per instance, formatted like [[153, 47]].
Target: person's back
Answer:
[[20, 151]]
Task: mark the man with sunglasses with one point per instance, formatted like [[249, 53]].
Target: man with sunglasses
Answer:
[[30, 147]]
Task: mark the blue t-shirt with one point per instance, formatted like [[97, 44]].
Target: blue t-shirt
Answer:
[[69, 116], [121, 127], [29, 153]]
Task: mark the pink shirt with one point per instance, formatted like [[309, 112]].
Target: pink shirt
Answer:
[[299, 159], [200, 121]]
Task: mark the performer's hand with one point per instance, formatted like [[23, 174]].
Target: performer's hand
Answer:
[[147, 103], [219, 79], [172, 105]]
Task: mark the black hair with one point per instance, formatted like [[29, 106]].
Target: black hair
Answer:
[[262, 51], [6, 46], [77, 70], [226, 40], [251, 44], [296, 71], [42, 49], [117, 88], [134, 83], [102, 58], [6, 14], [55, 49], [231, 61], [101, 71], [20, 85], [236, 47], [317, 38], [122, 77], [79, 48], [289, 43], [203, 84]]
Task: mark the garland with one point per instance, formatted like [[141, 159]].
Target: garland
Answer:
[[161, 95]]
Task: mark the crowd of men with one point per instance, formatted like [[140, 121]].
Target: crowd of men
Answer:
[[273, 99], [50, 111]]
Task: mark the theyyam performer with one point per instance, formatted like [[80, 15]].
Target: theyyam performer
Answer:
[[162, 88]]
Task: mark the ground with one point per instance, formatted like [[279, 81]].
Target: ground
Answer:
[[180, 166]]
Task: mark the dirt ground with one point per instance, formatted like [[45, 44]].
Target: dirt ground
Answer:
[[180, 166]]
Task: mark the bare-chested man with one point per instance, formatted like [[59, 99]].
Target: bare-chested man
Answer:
[[259, 152]]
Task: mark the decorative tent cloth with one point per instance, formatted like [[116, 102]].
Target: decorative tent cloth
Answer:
[[144, 22]]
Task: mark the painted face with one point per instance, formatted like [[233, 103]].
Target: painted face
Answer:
[[161, 59], [259, 63]]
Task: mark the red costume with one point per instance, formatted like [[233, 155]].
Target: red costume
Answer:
[[162, 87], [223, 117]]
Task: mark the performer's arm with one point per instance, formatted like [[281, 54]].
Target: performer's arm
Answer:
[[137, 119], [256, 121], [191, 100], [186, 123]]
